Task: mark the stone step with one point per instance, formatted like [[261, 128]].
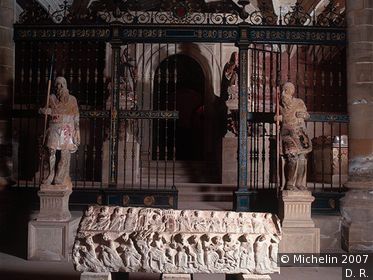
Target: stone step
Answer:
[[178, 171], [205, 192], [183, 172], [189, 164], [179, 179]]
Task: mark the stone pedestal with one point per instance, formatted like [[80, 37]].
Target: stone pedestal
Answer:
[[51, 240], [299, 232], [229, 160], [95, 276], [54, 203], [51, 234], [169, 276]]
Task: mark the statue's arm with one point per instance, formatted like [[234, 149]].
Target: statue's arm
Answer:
[[302, 111], [47, 110], [278, 116]]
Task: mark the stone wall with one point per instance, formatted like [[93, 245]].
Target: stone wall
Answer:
[[6, 85], [357, 205]]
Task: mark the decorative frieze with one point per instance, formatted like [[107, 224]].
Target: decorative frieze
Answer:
[[114, 239]]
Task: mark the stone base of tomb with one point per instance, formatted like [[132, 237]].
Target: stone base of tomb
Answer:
[[176, 276], [253, 277], [95, 276], [51, 240], [299, 232]]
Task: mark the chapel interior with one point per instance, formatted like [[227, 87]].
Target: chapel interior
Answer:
[[159, 125]]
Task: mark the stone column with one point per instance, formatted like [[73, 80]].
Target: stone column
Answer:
[[357, 205], [6, 85]]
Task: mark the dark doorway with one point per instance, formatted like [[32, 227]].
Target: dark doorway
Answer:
[[185, 91]]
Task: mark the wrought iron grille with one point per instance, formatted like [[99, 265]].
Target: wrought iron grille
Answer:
[[82, 63], [318, 73], [130, 120]]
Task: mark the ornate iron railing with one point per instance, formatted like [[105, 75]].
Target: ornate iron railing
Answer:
[[183, 12]]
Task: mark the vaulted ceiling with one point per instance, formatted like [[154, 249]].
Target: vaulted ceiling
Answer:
[[276, 5]]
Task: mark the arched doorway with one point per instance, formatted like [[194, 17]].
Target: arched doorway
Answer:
[[186, 92]]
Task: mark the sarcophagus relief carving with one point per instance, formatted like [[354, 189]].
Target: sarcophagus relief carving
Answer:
[[112, 239]]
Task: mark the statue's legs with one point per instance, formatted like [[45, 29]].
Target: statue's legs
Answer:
[[290, 170], [52, 163], [301, 182], [63, 167]]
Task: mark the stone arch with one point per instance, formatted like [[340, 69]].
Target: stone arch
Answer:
[[204, 56], [149, 58]]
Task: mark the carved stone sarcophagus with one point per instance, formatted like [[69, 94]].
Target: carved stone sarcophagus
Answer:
[[112, 239]]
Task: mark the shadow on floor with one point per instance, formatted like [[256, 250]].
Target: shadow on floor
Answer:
[[15, 213]]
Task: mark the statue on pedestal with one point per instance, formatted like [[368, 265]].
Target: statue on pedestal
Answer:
[[295, 142], [63, 132], [229, 81], [229, 92]]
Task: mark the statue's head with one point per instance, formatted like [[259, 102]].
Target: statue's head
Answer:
[[60, 83], [234, 58], [61, 86], [288, 90]]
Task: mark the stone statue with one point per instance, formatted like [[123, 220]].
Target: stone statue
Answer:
[[229, 92], [229, 80], [295, 142], [62, 133]]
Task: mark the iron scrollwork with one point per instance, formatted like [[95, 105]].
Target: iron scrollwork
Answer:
[[297, 16], [179, 12], [34, 13], [330, 16]]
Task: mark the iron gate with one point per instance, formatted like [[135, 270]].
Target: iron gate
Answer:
[[129, 120]]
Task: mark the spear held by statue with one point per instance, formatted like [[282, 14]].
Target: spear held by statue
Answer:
[[278, 174], [50, 74], [48, 97]]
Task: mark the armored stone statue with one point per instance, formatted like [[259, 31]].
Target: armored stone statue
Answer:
[[295, 142], [62, 133]]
